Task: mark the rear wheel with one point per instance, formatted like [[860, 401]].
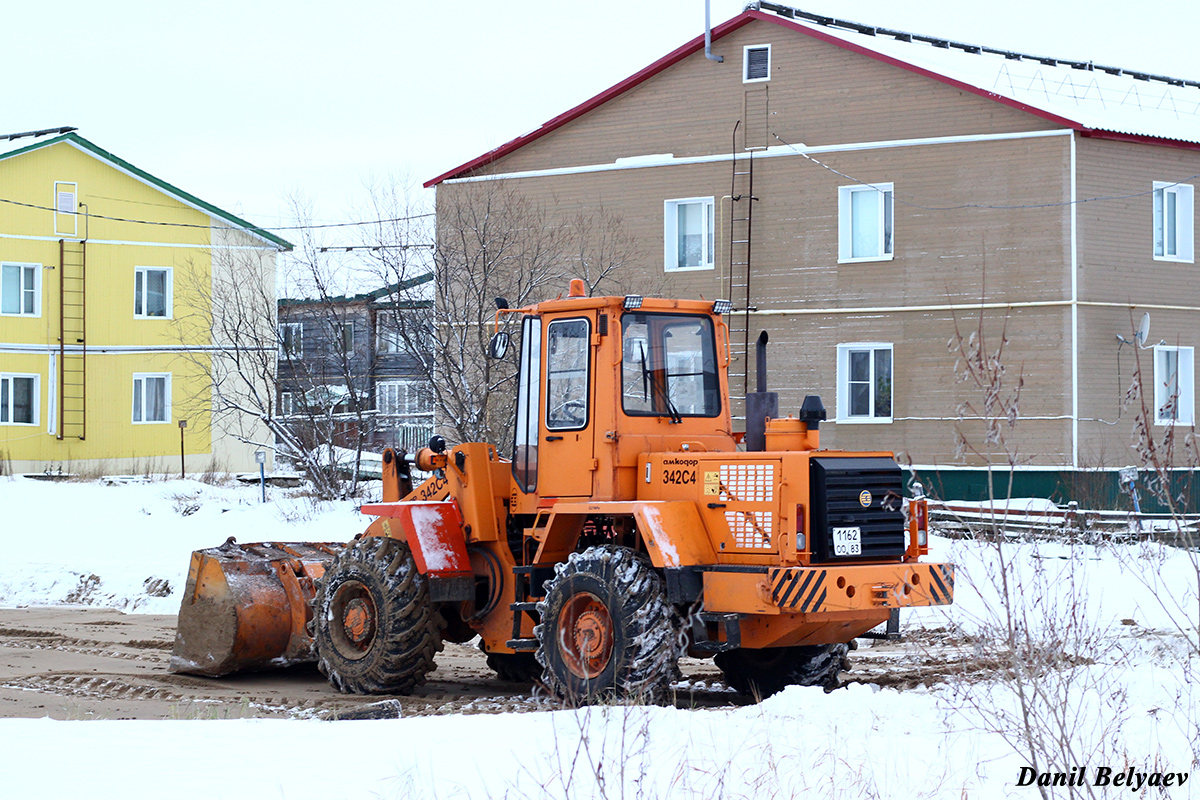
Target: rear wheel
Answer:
[[607, 629], [374, 627], [762, 673]]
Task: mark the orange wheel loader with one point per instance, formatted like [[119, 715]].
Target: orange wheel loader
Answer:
[[626, 530]]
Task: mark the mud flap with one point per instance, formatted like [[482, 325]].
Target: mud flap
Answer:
[[434, 532]]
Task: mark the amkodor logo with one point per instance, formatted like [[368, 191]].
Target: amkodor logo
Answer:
[[864, 498]]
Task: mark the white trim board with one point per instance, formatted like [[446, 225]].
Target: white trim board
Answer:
[[776, 151]]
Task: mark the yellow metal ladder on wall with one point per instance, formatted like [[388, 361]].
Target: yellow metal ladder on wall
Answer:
[[72, 339]]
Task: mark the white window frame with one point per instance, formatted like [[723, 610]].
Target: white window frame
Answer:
[[408, 397], [388, 341], [843, 383], [139, 385], [671, 234], [22, 289], [885, 192], [342, 330], [746, 63], [168, 288], [6, 413], [297, 339], [1185, 400], [1182, 197], [287, 404]]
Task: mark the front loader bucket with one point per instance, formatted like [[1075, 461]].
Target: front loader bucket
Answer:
[[247, 606]]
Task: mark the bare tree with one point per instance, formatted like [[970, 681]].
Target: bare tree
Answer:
[[489, 242]]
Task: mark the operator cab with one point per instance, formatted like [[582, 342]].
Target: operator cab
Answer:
[[594, 371]]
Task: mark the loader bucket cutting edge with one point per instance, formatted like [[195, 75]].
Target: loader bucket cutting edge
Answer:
[[246, 606]]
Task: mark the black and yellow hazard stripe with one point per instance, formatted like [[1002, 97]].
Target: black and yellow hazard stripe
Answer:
[[941, 584], [803, 590]]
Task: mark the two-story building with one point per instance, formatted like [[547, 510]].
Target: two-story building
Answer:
[[99, 263], [349, 360], [874, 199]]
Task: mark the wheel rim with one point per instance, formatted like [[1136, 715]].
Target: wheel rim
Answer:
[[585, 635], [353, 619]]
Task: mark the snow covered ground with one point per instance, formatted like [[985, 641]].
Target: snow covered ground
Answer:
[[1125, 614]]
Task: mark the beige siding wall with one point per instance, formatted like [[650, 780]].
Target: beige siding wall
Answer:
[[1120, 276], [979, 220], [819, 94]]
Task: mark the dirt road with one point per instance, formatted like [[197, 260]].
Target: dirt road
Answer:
[[95, 663]]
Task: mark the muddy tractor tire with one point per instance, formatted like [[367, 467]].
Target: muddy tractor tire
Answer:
[[374, 627], [515, 667], [762, 673], [607, 630]]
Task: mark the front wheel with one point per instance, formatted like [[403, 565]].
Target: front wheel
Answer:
[[374, 627], [762, 673], [607, 629]]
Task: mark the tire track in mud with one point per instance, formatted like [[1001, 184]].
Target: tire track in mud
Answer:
[[71, 663]]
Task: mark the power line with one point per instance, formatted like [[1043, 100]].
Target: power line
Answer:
[[213, 227]]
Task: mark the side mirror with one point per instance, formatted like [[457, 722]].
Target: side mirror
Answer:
[[498, 347]]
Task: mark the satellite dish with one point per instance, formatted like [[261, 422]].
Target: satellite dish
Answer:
[[1143, 329]]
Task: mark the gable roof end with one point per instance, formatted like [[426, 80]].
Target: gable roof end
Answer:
[[83, 144], [1102, 102]]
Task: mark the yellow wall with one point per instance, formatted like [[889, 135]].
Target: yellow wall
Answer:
[[118, 344]]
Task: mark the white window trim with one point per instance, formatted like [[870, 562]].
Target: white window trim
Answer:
[[1186, 402], [37, 289], [141, 376], [843, 383], [671, 233], [845, 219], [36, 399], [297, 339], [746, 63], [1184, 222], [287, 404], [170, 290], [388, 336]]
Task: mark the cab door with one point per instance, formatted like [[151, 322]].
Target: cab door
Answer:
[[566, 462]]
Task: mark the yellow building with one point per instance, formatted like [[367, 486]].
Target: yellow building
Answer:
[[102, 267]]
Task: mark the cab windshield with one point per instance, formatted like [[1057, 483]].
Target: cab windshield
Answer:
[[669, 366]]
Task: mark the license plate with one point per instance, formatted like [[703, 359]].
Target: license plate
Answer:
[[847, 541]]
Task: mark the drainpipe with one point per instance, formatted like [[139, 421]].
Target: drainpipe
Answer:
[[708, 34]]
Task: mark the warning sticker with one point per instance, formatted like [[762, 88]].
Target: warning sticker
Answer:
[[712, 482]]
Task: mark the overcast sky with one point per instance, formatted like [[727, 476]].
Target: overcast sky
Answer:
[[247, 103]]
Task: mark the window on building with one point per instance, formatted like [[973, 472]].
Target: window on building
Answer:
[[1173, 215], [291, 339], [151, 397], [688, 234], [18, 399], [388, 340], [19, 290], [864, 382], [404, 398], [152, 292], [1174, 385], [287, 404], [756, 63], [865, 222], [343, 335]]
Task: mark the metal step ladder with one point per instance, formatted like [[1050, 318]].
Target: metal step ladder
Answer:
[[72, 339], [741, 227]]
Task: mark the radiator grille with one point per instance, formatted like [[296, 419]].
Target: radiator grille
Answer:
[[866, 493]]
